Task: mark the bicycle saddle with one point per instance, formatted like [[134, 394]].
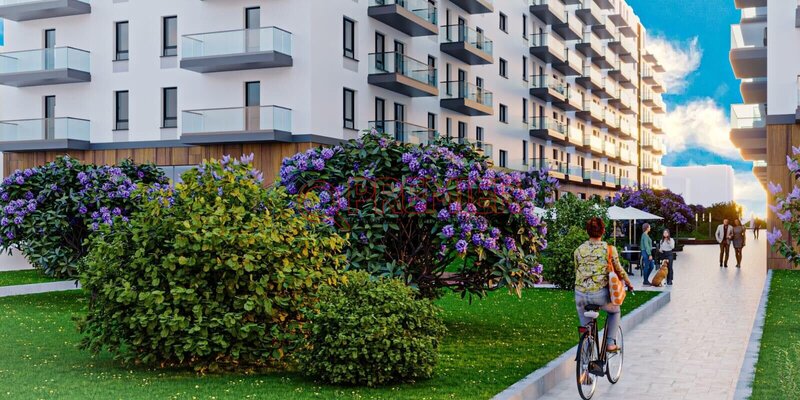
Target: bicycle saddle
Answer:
[[592, 307]]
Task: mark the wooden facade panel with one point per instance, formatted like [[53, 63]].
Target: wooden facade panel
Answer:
[[180, 155], [780, 139]]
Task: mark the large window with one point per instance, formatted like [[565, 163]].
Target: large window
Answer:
[[169, 41], [121, 41], [503, 23], [503, 113], [169, 107], [349, 115], [349, 37], [503, 159], [121, 110]]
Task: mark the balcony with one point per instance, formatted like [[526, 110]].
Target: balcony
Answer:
[[625, 130], [405, 132], [548, 48], [754, 90], [556, 168], [605, 4], [623, 75], [740, 4], [26, 10], [748, 53], [237, 50], [593, 177], [659, 107], [591, 79], [592, 112], [658, 147], [749, 130], [574, 136], [573, 101], [54, 66], [593, 144], [53, 134], [402, 74], [589, 13], [610, 149], [760, 171], [466, 98], [570, 29], [602, 29], [623, 47], [550, 12], [610, 180], [572, 64], [605, 59], [574, 172], [412, 17], [612, 121], [620, 16], [590, 45], [547, 88], [237, 125], [548, 129], [625, 156], [466, 44], [475, 6]]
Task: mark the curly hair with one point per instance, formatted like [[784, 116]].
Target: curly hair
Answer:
[[595, 227]]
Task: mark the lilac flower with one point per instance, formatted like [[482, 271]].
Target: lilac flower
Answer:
[[327, 153], [10, 235], [792, 164], [448, 231], [17, 220], [20, 180], [420, 206], [784, 216], [324, 197], [219, 191], [444, 214], [477, 239], [95, 226], [795, 150], [470, 208], [318, 164], [510, 243], [455, 207], [4, 197], [794, 195], [774, 189], [514, 208], [774, 236], [406, 158], [247, 159], [461, 246]]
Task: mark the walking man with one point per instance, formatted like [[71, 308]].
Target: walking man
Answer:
[[724, 235], [646, 244]]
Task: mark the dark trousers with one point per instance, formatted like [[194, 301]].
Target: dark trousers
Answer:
[[667, 255], [647, 267], [724, 252]]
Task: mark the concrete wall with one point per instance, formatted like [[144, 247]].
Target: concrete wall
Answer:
[[783, 66]]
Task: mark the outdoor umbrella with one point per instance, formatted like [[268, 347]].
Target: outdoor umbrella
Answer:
[[638, 214]]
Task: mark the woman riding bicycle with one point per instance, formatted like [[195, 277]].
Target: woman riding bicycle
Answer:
[[591, 277]]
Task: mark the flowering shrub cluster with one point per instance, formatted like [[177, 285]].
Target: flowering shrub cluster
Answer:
[[434, 215], [49, 211], [214, 273], [664, 203]]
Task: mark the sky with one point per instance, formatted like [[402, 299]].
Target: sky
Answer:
[[692, 39]]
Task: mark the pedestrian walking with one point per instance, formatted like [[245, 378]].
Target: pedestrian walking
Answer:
[[666, 246], [756, 229], [723, 235], [738, 239], [646, 245]]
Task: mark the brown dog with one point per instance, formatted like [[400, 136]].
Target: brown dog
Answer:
[[658, 280]]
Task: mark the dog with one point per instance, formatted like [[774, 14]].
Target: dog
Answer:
[[658, 280]]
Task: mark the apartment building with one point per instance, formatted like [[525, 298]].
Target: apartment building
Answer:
[[766, 125], [565, 84]]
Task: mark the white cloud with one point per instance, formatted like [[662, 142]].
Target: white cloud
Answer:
[[749, 193], [699, 123], [679, 60]]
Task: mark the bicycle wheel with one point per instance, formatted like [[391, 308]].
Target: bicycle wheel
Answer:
[[614, 360], [587, 352]]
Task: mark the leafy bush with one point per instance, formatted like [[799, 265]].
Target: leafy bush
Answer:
[[678, 216], [434, 215], [215, 273], [721, 211], [559, 264], [569, 211], [372, 332], [49, 211]]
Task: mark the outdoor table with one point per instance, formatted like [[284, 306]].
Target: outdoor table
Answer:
[[633, 257]]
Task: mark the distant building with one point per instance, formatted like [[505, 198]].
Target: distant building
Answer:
[[704, 185]]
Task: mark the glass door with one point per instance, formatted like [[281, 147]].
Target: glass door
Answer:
[[49, 117]]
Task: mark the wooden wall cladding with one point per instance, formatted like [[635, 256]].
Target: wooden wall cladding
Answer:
[[268, 156], [780, 139]]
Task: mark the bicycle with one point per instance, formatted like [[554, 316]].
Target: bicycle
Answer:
[[593, 360]]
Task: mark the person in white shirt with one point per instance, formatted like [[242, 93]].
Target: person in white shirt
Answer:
[[724, 235], [666, 246]]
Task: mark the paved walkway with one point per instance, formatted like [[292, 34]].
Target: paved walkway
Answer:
[[694, 347], [35, 288]]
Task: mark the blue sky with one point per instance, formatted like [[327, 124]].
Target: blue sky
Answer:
[[695, 37]]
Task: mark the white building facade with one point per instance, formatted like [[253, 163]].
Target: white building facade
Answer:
[[703, 185], [566, 84]]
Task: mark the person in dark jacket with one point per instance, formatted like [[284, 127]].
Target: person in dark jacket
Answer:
[[646, 245]]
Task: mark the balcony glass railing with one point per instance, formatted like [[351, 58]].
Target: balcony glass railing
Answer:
[[462, 33], [596, 109], [405, 132], [759, 164], [241, 41], [593, 175], [237, 119], [624, 154], [751, 35], [574, 170], [748, 116], [547, 81], [610, 149], [466, 90], [44, 60], [393, 62], [575, 134], [593, 74], [551, 165], [556, 6], [44, 129], [595, 142], [555, 45], [421, 8], [549, 124]]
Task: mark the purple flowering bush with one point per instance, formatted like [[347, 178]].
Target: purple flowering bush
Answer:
[[664, 203], [214, 273], [787, 210], [49, 211], [435, 216]]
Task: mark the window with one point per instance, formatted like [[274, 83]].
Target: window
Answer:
[[503, 68], [252, 94], [121, 110], [349, 116], [349, 37], [170, 37], [479, 134], [432, 121], [448, 126], [169, 107], [524, 152], [462, 132], [503, 158], [524, 110], [503, 23], [503, 113], [121, 32], [524, 26], [524, 68]]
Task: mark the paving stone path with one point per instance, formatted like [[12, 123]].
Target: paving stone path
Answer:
[[694, 347], [35, 288]]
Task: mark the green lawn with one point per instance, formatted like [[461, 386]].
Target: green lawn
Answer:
[[10, 278], [490, 345], [778, 365]]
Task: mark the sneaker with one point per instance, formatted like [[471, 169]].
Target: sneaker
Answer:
[[726, 265]]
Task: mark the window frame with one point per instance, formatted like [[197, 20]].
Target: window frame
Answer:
[[349, 47], [503, 23], [169, 50], [122, 124], [503, 66], [121, 55], [349, 123], [502, 157], [503, 113], [166, 120]]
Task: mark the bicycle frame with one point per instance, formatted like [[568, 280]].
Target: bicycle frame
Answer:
[[591, 327]]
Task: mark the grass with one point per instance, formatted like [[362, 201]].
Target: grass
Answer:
[[490, 345], [778, 366], [10, 278]]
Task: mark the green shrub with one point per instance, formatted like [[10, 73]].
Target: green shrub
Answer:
[[215, 273], [559, 264], [372, 332]]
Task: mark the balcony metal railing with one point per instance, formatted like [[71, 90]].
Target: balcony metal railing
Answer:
[[421, 8], [748, 116], [547, 81], [233, 42], [44, 129], [394, 62], [44, 60], [466, 90], [548, 124], [237, 119], [462, 33], [405, 132]]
